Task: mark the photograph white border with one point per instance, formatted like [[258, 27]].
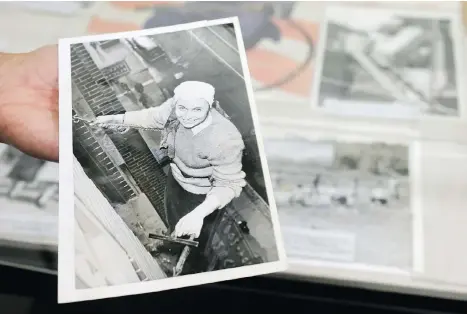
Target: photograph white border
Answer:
[[67, 291], [458, 48], [394, 136]]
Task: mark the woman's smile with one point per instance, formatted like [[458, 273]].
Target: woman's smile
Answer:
[[190, 122]]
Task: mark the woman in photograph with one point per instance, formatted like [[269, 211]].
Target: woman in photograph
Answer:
[[206, 151]]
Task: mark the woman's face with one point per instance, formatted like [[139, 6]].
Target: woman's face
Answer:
[[190, 113]]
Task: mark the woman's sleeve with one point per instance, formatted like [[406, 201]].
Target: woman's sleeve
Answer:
[[228, 178], [155, 117]]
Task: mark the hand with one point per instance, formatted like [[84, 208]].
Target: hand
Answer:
[[103, 120], [190, 224], [29, 101]]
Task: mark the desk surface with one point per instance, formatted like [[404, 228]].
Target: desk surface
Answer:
[[20, 289]]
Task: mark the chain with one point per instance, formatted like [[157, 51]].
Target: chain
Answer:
[[120, 128]]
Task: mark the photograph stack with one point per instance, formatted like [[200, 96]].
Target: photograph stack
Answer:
[[366, 174]]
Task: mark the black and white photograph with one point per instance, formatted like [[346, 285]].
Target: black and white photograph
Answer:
[[384, 63], [28, 211], [163, 174], [343, 200]]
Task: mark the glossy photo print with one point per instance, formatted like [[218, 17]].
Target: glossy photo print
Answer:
[[389, 64], [164, 180]]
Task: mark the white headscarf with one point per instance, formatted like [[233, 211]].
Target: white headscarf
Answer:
[[193, 90]]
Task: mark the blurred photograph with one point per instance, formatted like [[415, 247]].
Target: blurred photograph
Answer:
[[28, 211], [389, 64], [341, 199], [169, 181], [282, 33]]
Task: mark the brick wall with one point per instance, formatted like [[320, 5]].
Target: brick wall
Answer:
[[102, 100]]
